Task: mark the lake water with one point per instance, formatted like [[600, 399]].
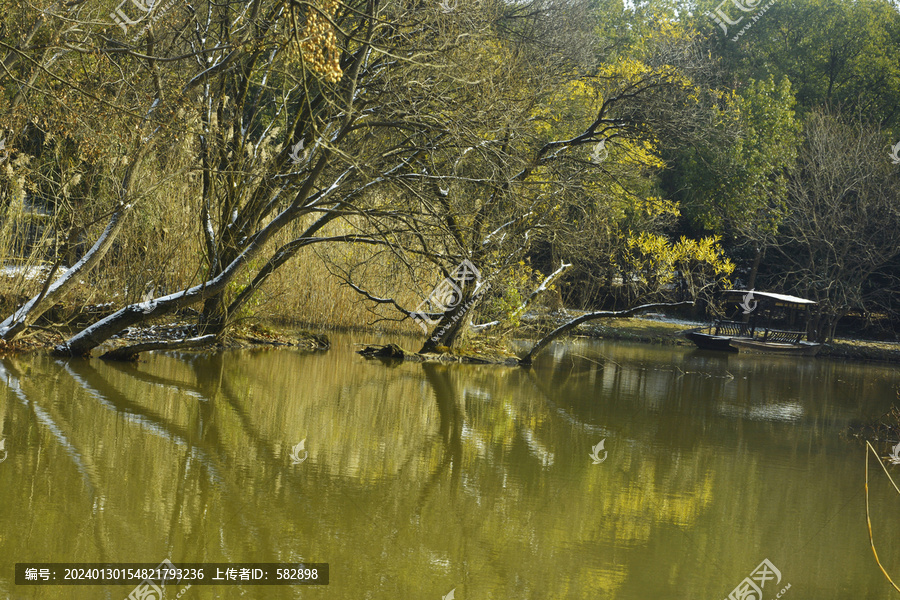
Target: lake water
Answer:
[[418, 480]]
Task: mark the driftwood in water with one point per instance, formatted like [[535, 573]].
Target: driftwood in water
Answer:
[[388, 351], [131, 352], [393, 352], [528, 358]]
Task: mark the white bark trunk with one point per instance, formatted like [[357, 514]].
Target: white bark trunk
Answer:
[[29, 312]]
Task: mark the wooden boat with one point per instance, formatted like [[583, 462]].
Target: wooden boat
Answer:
[[798, 349], [719, 335], [755, 332]]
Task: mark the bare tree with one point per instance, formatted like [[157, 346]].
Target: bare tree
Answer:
[[305, 120], [843, 219]]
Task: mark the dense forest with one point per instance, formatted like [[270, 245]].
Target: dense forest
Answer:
[[331, 161]]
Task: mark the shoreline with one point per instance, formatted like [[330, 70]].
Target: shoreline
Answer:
[[655, 331]]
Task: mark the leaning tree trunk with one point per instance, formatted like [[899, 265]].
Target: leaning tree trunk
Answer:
[[92, 336], [453, 322], [446, 332], [82, 343], [29, 312], [130, 353], [24, 316]]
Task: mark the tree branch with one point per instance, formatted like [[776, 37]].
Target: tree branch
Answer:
[[527, 359]]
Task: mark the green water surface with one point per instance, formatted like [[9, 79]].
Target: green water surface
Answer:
[[418, 480]]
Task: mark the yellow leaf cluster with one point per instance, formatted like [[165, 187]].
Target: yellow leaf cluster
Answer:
[[658, 259], [706, 251], [654, 206]]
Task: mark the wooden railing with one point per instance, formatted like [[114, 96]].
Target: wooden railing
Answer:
[[733, 329], [738, 329], [782, 337]]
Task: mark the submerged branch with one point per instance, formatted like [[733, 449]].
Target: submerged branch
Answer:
[[131, 352]]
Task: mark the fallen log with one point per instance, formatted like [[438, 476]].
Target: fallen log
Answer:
[[130, 353]]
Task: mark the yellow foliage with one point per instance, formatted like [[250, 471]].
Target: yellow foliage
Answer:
[[567, 109], [654, 206], [656, 260]]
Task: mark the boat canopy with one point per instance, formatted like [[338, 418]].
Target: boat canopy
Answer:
[[778, 299]]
